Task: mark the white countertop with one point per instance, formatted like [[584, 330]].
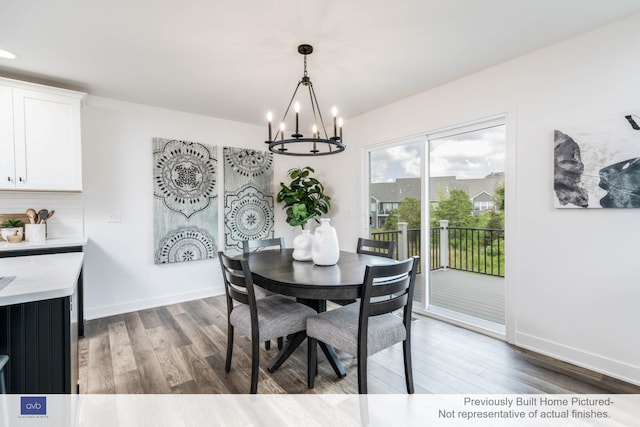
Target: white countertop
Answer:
[[40, 277], [49, 243]]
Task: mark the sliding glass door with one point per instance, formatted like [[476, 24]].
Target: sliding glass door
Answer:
[[466, 210]]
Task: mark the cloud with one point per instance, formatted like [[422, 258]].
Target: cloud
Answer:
[[403, 161], [466, 156], [469, 155]]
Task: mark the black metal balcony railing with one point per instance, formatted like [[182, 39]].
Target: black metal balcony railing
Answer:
[[478, 250]]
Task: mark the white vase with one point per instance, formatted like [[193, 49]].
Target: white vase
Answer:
[[325, 249], [302, 245]]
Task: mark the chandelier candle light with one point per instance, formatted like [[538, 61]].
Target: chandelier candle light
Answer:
[[319, 144]]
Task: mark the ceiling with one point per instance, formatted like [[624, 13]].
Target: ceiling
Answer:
[[237, 59]]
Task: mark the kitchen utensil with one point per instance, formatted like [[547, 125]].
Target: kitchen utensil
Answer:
[[49, 215], [31, 214], [42, 214]]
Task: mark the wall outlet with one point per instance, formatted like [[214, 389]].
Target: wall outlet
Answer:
[[113, 217]]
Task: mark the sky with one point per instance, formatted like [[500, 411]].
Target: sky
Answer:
[[467, 156]]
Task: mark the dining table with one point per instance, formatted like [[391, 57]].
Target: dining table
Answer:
[[276, 271]]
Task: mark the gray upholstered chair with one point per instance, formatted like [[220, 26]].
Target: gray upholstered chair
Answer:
[[376, 247], [3, 361], [365, 327], [249, 246], [259, 319]]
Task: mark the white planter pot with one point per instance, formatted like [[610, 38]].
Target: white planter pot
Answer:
[[10, 231], [325, 249], [302, 245]]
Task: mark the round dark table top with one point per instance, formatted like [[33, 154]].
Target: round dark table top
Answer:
[[278, 272]]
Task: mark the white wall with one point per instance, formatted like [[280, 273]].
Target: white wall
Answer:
[[572, 282], [120, 273]]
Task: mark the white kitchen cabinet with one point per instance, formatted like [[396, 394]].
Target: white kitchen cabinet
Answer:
[[7, 153], [40, 142]]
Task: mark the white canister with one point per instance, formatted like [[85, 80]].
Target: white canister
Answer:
[[325, 249], [35, 232]]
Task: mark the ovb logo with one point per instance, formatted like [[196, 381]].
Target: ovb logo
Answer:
[[33, 405]]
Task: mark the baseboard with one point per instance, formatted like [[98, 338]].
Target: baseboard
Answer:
[[607, 373], [143, 304]]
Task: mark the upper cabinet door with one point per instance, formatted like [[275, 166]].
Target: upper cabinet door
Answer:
[[47, 141], [7, 168]]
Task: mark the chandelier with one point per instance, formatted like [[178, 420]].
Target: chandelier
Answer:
[[319, 143]]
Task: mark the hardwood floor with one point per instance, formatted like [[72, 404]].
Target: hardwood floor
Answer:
[[181, 349]]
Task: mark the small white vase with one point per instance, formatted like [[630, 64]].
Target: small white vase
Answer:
[[325, 249], [302, 245]]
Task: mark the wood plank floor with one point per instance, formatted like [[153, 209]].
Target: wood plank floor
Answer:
[[181, 349]]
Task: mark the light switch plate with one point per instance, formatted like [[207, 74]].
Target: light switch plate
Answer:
[[113, 217]]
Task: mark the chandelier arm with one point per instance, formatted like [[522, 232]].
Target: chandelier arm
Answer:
[[288, 107], [314, 99]]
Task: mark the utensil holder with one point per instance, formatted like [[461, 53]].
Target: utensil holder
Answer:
[[35, 232]]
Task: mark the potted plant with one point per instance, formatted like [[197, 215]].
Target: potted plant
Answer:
[[10, 227], [304, 199]]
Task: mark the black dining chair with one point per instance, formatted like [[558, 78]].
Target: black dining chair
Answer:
[[259, 319], [376, 247], [381, 248], [3, 361], [368, 326], [249, 246]]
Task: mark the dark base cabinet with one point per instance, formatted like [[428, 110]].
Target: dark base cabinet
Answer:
[[57, 250], [40, 338]]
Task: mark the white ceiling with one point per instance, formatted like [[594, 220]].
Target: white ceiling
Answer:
[[237, 59]]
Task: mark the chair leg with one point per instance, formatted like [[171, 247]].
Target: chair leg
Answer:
[[312, 361], [267, 345], [3, 387], [280, 343], [408, 371], [255, 365], [227, 365], [362, 373]]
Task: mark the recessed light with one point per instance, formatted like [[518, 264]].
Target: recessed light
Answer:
[[7, 54]]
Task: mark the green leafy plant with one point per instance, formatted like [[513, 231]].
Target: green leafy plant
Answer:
[[11, 223], [304, 198]]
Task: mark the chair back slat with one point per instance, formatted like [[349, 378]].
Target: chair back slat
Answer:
[[376, 247], [254, 245], [237, 279], [399, 284], [388, 306], [395, 281]]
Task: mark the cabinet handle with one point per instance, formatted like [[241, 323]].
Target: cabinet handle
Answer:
[[8, 179], [20, 179]]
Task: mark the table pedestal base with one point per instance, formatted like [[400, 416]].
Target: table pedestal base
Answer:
[[293, 342]]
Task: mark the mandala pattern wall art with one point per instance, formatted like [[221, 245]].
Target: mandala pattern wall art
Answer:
[[185, 201], [248, 196]]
